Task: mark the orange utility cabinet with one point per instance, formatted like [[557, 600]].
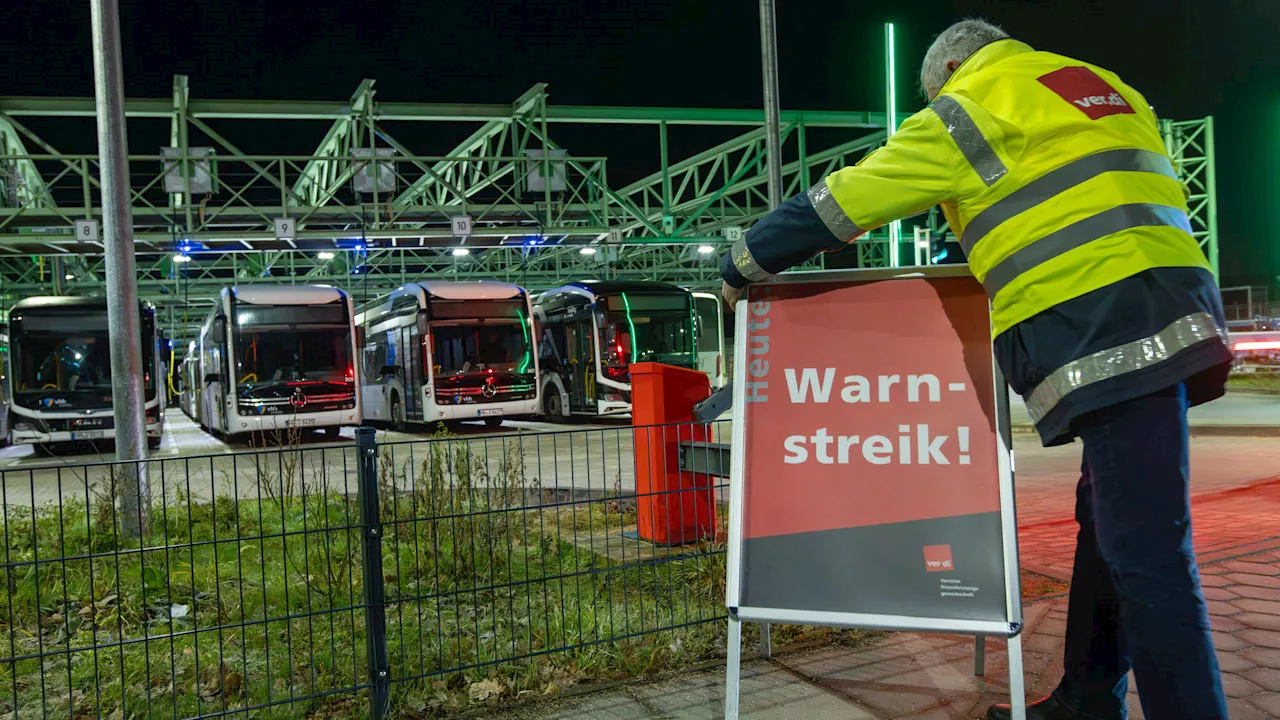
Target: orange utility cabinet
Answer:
[[673, 507]]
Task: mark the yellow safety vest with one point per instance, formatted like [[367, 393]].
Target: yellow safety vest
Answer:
[[1052, 173]]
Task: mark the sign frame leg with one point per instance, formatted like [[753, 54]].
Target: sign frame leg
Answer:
[[766, 641], [733, 669], [1017, 688]]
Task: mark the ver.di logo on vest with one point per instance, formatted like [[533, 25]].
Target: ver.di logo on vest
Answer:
[[1087, 92]]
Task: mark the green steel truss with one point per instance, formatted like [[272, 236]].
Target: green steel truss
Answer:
[[1190, 144], [648, 227]]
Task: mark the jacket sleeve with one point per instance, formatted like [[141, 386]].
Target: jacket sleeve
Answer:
[[917, 169]]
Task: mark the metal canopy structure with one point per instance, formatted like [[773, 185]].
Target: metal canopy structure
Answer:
[[365, 194]]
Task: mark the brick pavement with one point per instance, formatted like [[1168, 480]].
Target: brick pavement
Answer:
[[904, 676]]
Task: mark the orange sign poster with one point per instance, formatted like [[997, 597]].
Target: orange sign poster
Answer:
[[871, 477]]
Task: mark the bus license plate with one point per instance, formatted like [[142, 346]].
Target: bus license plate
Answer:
[[88, 435], [490, 413], [299, 422]]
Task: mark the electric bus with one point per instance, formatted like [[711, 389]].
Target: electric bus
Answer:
[[709, 312], [60, 372], [189, 381], [448, 352], [4, 384], [590, 332], [275, 358]]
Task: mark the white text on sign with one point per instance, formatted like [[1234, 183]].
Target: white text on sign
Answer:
[[917, 444]]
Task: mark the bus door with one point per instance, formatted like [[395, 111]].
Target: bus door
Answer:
[[413, 358], [582, 362], [710, 333]]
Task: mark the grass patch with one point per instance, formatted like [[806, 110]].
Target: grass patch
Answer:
[[254, 607], [1254, 382]]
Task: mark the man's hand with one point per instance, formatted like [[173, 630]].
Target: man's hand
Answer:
[[731, 295]]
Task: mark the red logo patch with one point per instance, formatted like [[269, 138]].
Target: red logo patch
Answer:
[[1089, 93], [937, 558]]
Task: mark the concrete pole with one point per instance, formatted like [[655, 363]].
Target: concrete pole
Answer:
[[772, 111], [122, 285]]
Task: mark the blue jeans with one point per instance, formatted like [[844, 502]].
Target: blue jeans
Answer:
[[1135, 587]]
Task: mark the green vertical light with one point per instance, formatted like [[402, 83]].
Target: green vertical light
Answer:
[[626, 304], [528, 344], [891, 125]]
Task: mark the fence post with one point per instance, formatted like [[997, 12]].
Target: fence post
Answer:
[[375, 617]]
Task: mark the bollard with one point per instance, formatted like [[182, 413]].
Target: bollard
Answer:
[[375, 612], [673, 507]]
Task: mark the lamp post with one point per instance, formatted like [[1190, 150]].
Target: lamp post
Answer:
[[122, 285]]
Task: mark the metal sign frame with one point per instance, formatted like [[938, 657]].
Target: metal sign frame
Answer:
[[738, 614]]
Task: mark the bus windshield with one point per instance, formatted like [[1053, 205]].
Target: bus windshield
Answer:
[[646, 328], [459, 348], [271, 355], [63, 362], [66, 353]]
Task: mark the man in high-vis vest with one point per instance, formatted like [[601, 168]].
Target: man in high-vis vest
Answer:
[[1107, 320]]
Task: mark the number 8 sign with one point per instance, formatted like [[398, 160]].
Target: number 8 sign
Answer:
[[86, 230]]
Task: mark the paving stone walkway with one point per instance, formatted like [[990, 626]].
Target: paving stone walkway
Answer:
[[908, 675]]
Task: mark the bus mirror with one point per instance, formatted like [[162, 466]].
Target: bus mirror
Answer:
[[212, 378], [219, 331], [393, 370]]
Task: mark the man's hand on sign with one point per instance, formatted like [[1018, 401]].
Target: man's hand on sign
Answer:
[[731, 295]]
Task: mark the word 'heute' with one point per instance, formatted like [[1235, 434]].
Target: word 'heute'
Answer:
[[918, 445]]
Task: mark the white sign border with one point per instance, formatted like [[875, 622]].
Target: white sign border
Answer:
[[1010, 629]]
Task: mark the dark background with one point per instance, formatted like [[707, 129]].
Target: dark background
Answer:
[[1190, 57]]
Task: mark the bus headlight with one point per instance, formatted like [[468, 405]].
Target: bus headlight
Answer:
[[23, 427]]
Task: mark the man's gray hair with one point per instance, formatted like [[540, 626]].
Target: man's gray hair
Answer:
[[956, 43]]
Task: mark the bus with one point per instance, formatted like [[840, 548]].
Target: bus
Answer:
[[189, 381], [448, 352], [276, 358], [60, 372], [590, 332], [4, 382], [709, 313]]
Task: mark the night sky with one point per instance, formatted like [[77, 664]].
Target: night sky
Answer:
[[1190, 57]]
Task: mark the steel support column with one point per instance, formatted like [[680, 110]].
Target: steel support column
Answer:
[[122, 291]]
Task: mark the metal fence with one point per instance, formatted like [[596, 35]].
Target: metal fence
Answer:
[[379, 579]]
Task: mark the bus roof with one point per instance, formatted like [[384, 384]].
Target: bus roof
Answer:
[[66, 301], [610, 287], [473, 290], [287, 294]]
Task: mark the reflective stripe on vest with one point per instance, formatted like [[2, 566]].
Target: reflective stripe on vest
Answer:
[[1058, 181], [1145, 352], [831, 214], [969, 139], [746, 263], [1081, 232]]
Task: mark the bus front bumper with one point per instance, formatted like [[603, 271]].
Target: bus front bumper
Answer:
[[37, 437], [478, 411], [300, 421]]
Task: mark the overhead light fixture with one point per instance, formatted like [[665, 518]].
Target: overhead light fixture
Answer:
[[180, 258], [705, 249], [324, 255], [459, 252], [588, 250], [68, 276]]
